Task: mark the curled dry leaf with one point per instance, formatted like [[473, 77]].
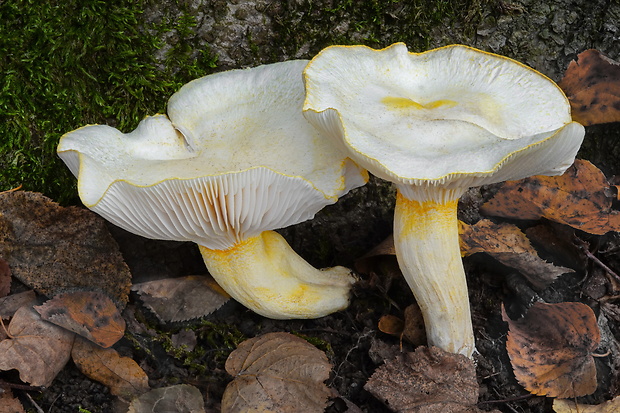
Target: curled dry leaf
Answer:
[[276, 372], [90, 314], [509, 245], [569, 406], [183, 298], [36, 348], [577, 198], [120, 374], [428, 380], [54, 249], [592, 84], [551, 349], [181, 398]]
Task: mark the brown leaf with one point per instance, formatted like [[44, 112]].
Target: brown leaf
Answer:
[[569, 406], [508, 245], [392, 325], [9, 404], [90, 314], [54, 249], [411, 328], [428, 380], [181, 398], [577, 198], [121, 374], [592, 84], [5, 278], [276, 372], [183, 298], [37, 349], [551, 349], [11, 303]]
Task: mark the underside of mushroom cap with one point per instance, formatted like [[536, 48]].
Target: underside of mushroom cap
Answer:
[[216, 212], [235, 158], [442, 117]]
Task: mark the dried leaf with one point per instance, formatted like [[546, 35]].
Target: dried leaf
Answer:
[[181, 398], [592, 84], [392, 325], [90, 314], [569, 406], [183, 298], [11, 303], [276, 372], [428, 380], [9, 404], [551, 349], [121, 374], [366, 263], [411, 328], [577, 198], [54, 249], [37, 349], [5, 278], [508, 245]]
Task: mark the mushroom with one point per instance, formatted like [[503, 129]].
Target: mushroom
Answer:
[[233, 160], [435, 124]]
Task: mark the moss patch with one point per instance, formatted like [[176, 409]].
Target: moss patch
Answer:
[[312, 25], [70, 63]]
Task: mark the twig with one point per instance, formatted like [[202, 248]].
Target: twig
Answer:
[[508, 400], [581, 244], [6, 384], [36, 406]]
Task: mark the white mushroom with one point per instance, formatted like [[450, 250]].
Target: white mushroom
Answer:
[[234, 160], [435, 124]]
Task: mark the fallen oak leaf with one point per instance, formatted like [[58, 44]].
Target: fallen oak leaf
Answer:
[[37, 349], [182, 298], [551, 349], [181, 398], [577, 198], [276, 372], [569, 406], [121, 375], [90, 314], [510, 246], [592, 85], [428, 380], [53, 249]]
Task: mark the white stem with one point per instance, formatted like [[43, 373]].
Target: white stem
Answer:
[[267, 276], [427, 247]]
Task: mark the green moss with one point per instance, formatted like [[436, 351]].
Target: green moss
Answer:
[[375, 23], [70, 63]]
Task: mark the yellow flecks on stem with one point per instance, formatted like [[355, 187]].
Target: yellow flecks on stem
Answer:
[[394, 102], [423, 219]]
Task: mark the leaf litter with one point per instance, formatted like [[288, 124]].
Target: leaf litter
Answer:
[[551, 349], [42, 244]]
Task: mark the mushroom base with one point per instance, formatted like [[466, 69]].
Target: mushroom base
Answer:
[[264, 274], [427, 248]]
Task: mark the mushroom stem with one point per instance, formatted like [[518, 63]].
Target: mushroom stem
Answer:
[[264, 274], [427, 247]]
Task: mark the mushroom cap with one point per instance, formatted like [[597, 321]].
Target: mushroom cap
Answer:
[[453, 116], [234, 158]]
